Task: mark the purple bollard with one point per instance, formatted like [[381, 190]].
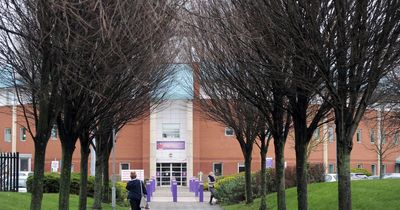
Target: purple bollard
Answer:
[[153, 184], [201, 190], [174, 191], [196, 188], [148, 189]]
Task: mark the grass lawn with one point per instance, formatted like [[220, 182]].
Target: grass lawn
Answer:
[[18, 201], [366, 195]]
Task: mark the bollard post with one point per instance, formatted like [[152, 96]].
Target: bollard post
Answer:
[[154, 184], [148, 189], [175, 191], [196, 188], [201, 192]]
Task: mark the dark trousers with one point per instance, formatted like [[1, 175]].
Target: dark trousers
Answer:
[[135, 204], [212, 191]]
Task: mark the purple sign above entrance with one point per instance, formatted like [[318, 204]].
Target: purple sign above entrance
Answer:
[[170, 145]]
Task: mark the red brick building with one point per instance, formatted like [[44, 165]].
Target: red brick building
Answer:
[[177, 141]]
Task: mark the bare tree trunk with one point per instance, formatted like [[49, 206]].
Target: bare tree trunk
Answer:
[[84, 173], [106, 180], [98, 181], [343, 165], [301, 176], [65, 177], [381, 172], [37, 183], [247, 168], [280, 173], [263, 154]]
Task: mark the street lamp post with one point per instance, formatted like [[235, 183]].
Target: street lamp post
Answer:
[[113, 199]]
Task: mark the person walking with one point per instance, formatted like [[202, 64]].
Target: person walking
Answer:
[[211, 182], [136, 189]]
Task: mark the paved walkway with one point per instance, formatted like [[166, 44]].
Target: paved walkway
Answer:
[[162, 200]]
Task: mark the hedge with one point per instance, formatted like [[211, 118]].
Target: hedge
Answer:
[[230, 189], [51, 184], [361, 171]]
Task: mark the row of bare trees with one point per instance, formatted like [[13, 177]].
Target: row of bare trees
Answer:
[[294, 62], [89, 67]]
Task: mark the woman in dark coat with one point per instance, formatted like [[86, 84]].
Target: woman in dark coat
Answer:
[[135, 193]]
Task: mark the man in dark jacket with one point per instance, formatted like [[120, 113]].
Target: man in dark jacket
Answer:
[[135, 188]]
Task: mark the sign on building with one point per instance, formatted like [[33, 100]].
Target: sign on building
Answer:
[[268, 162], [126, 174], [54, 166]]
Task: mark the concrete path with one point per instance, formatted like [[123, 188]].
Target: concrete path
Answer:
[[162, 200]]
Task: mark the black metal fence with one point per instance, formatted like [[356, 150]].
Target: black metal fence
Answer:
[[9, 165]]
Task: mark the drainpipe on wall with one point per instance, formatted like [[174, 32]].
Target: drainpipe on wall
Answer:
[[14, 125], [325, 145], [379, 139], [93, 159]]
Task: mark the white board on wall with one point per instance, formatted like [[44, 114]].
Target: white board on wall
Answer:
[[126, 174]]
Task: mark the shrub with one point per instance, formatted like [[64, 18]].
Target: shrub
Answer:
[[230, 189], [51, 183], [361, 171]]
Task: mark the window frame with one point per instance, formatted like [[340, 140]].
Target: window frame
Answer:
[[372, 136], [22, 134], [239, 165], [222, 168], [171, 133], [373, 169], [7, 136], [359, 136], [331, 133], [229, 128], [329, 168], [124, 163]]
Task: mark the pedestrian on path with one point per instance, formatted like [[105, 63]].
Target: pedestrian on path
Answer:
[[135, 188], [211, 182]]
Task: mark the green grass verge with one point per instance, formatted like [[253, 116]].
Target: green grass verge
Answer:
[[18, 201], [366, 195]]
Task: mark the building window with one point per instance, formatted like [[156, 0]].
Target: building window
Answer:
[[373, 169], [53, 134], [372, 136], [316, 134], [359, 166], [331, 134], [358, 135], [22, 134], [124, 166], [383, 169], [383, 138], [396, 138], [217, 168], [7, 134], [331, 168], [170, 130], [229, 131], [24, 164], [241, 167]]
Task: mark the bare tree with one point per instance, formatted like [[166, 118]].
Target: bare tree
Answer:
[[352, 45], [385, 134], [264, 138], [219, 103], [226, 47], [115, 46], [31, 50]]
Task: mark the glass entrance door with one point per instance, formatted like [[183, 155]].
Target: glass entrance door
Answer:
[[169, 171]]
